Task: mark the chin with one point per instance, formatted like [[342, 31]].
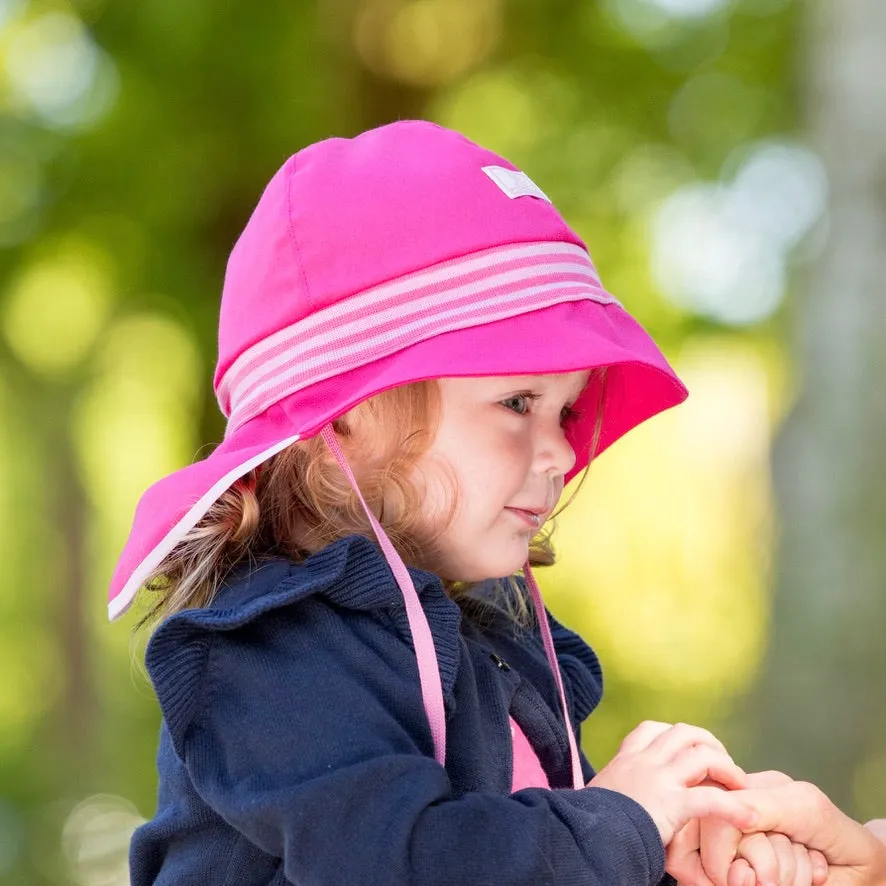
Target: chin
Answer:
[[500, 558], [500, 566]]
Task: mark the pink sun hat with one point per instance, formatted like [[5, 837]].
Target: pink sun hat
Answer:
[[403, 254]]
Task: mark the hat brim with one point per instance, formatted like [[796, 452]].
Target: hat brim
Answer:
[[566, 337]]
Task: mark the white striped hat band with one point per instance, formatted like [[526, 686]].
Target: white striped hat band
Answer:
[[468, 291]]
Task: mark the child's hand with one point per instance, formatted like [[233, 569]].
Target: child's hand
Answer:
[[662, 768], [773, 859], [730, 858]]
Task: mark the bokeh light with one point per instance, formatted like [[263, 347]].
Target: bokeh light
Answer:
[[55, 308], [426, 42], [722, 250], [690, 8], [95, 840], [58, 70], [783, 189], [8, 9], [683, 33]]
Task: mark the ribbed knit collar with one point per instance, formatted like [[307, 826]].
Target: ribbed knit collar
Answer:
[[351, 573]]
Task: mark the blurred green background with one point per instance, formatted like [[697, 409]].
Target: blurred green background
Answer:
[[725, 161]]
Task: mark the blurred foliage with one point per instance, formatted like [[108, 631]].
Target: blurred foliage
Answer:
[[135, 139]]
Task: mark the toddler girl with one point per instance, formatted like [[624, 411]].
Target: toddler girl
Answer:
[[358, 679]]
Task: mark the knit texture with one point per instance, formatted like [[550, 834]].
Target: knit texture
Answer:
[[295, 747]]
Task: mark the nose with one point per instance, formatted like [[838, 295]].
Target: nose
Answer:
[[554, 453]]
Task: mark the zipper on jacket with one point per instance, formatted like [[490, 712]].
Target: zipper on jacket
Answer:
[[500, 663]]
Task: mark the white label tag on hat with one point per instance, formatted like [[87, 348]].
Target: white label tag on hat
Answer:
[[515, 183]]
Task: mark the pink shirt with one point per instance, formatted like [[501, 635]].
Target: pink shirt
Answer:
[[528, 771]]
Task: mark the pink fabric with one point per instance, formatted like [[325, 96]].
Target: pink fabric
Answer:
[[384, 259], [345, 215], [428, 672], [551, 654], [528, 771], [496, 284]]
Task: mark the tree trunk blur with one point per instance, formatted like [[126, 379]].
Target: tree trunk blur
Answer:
[[830, 459]]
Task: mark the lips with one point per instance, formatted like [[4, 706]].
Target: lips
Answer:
[[532, 516]]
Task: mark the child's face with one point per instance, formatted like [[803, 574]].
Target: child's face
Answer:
[[502, 439]]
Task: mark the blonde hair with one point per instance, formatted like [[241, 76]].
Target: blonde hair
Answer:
[[299, 501]]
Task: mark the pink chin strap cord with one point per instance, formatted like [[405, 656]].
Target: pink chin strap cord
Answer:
[[426, 656]]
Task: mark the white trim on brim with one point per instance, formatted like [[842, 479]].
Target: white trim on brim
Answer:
[[197, 511], [472, 290]]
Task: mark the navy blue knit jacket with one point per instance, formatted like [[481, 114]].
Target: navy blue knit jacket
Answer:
[[295, 746]]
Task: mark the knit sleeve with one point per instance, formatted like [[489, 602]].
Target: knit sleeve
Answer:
[[308, 735], [176, 661]]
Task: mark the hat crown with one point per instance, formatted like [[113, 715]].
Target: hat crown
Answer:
[[345, 215]]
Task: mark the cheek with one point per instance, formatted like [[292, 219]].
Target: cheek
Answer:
[[490, 478], [486, 460], [492, 458], [509, 454]]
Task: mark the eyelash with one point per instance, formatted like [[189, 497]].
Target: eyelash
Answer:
[[567, 416]]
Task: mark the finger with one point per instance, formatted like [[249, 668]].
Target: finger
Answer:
[[803, 813], [685, 840], [638, 739], [771, 778], [787, 862], [718, 841], [704, 802], [741, 874], [802, 866], [688, 870], [682, 860], [819, 867], [698, 763], [759, 853], [681, 736]]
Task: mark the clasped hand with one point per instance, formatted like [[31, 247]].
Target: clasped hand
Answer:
[[678, 774]]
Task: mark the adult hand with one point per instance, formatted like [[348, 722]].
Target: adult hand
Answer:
[[877, 827], [730, 858], [712, 852], [804, 814]]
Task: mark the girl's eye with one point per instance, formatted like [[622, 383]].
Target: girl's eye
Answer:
[[569, 415], [519, 403]]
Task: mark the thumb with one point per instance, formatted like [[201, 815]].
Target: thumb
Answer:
[[802, 812], [768, 779]]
